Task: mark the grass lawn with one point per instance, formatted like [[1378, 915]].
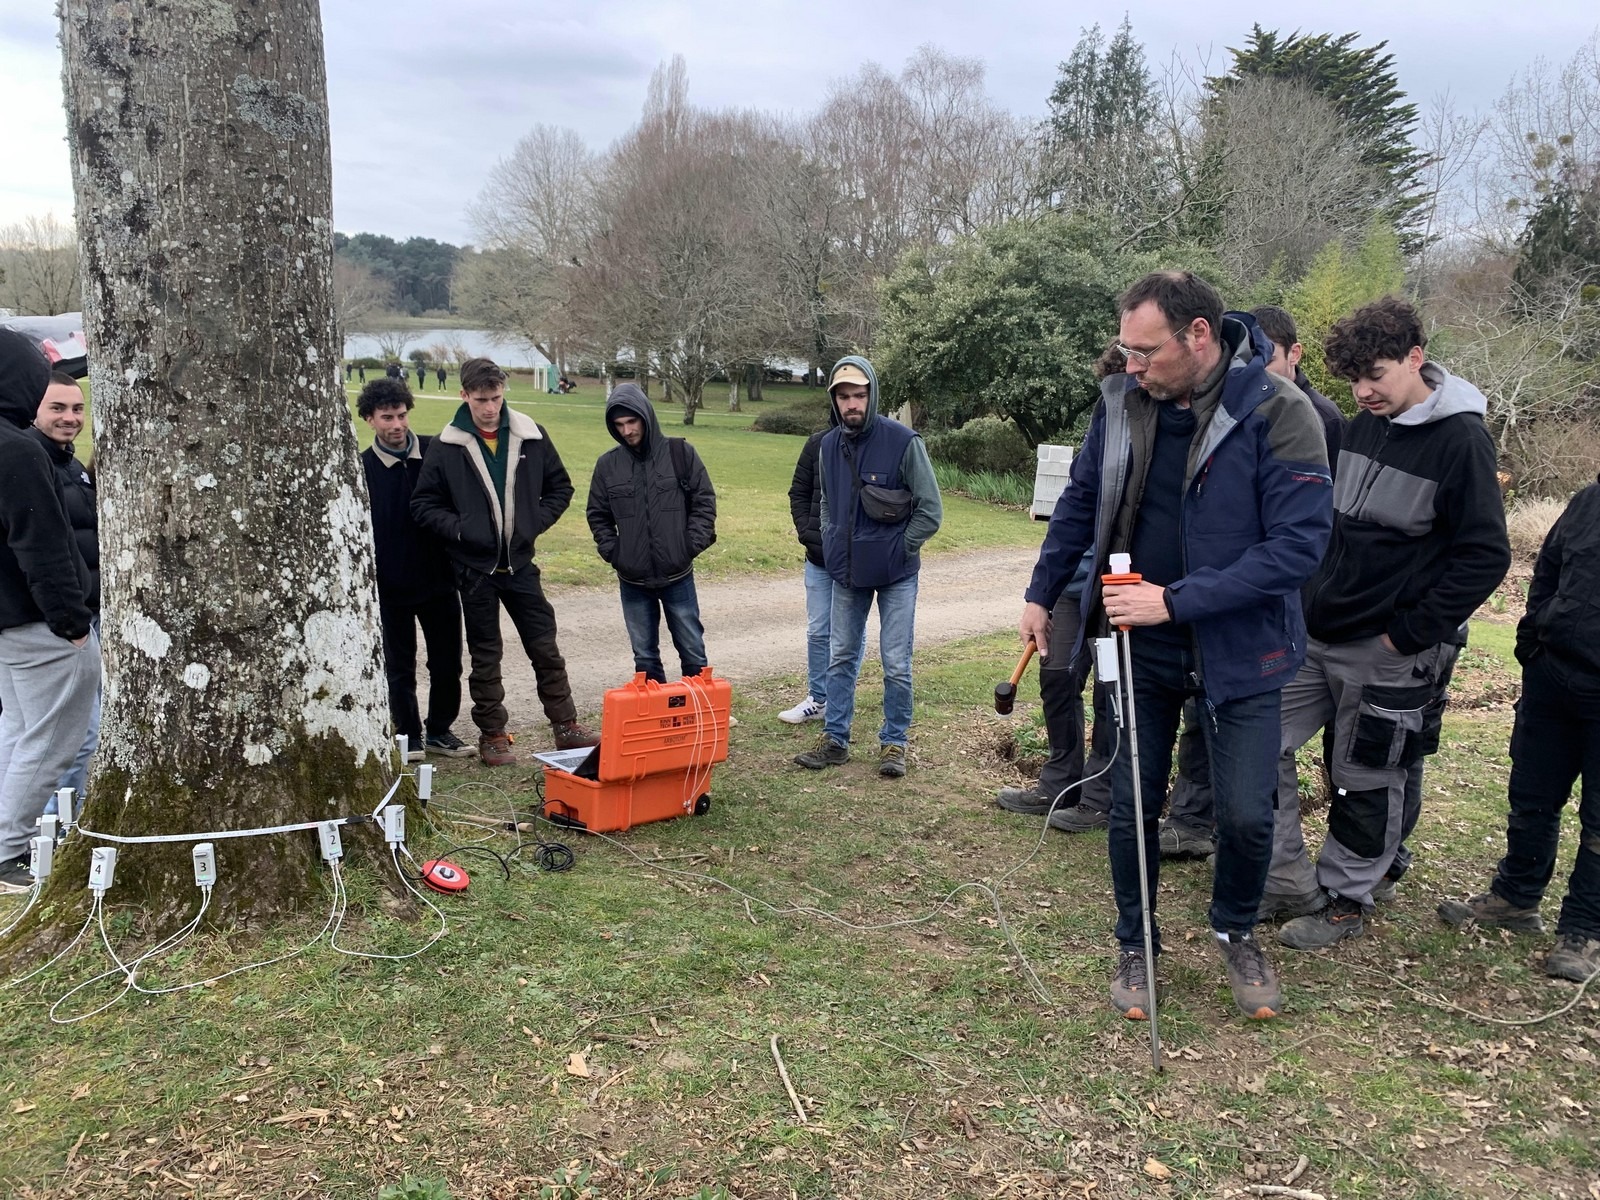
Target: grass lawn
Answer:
[[606, 1032]]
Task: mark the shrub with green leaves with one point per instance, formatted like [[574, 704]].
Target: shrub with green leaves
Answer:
[[992, 444], [804, 417]]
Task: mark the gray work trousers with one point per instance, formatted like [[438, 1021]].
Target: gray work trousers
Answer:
[[47, 691], [1379, 702]]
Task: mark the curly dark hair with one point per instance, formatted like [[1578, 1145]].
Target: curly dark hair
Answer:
[[1112, 360], [387, 392], [1384, 329]]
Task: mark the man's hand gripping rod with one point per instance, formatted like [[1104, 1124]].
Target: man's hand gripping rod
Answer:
[[1122, 572]]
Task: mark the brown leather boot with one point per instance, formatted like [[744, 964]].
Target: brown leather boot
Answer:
[[570, 735], [495, 749]]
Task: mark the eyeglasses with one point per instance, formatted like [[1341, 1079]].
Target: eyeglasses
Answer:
[[1144, 356]]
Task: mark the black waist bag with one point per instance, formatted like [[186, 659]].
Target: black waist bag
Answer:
[[887, 506]]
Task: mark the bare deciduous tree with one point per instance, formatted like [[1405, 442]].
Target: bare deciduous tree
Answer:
[[1293, 179], [39, 267], [358, 296]]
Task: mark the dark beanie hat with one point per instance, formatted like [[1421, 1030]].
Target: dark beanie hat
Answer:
[[24, 376]]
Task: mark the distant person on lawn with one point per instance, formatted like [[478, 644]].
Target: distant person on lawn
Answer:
[[416, 585], [652, 511], [880, 505], [491, 484]]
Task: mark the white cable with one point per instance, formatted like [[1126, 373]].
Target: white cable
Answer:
[[443, 925], [129, 971], [266, 962], [60, 954], [33, 898], [148, 839]]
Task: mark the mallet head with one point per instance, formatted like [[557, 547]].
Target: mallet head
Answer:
[[1005, 697]]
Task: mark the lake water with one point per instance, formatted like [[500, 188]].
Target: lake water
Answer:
[[463, 343]]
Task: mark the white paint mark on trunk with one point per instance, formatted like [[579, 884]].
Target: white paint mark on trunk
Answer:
[[197, 675]]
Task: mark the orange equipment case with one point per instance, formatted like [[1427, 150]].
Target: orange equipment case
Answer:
[[658, 743]]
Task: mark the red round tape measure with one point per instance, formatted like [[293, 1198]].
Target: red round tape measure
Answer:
[[443, 876]]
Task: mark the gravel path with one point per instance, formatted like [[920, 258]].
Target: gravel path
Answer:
[[755, 628]]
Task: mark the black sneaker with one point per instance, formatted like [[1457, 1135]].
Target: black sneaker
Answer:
[[1078, 819], [1030, 802], [826, 753], [1250, 975], [1340, 919], [1130, 986], [1278, 906], [1180, 843], [15, 877], [448, 745], [891, 761]]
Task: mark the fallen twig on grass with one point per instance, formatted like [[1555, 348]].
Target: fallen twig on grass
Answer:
[[783, 1074], [1272, 1189], [1299, 1170]]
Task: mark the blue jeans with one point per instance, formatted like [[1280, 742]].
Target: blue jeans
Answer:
[[897, 609], [1242, 742], [642, 609], [819, 609]]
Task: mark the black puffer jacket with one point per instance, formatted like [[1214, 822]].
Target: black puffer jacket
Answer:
[[77, 494], [805, 496], [1563, 617], [42, 576], [644, 524]]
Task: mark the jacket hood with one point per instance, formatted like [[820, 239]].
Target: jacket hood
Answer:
[[628, 400], [872, 396], [24, 376], [1451, 396]]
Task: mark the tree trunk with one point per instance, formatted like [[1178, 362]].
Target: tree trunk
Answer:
[[753, 378], [244, 682], [733, 390]]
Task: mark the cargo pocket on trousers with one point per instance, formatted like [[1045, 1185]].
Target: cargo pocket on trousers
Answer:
[[1426, 740], [1388, 725], [1359, 821]]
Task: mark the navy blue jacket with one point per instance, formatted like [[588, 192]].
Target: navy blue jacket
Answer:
[[1257, 509]]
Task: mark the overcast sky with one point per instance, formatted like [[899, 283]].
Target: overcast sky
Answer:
[[425, 97]]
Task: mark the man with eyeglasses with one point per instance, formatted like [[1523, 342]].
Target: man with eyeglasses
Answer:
[[1213, 475]]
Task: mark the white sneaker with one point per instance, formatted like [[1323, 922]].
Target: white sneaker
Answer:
[[807, 710]]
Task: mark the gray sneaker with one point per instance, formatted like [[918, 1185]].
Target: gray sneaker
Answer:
[[1030, 802], [1178, 842], [1575, 957], [826, 753], [891, 761], [1078, 819], [1490, 909], [1250, 975], [1281, 906], [1385, 891], [1130, 986]]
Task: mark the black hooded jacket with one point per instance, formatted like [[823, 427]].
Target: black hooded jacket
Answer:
[[42, 576], [77, 494], [644, 524]]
